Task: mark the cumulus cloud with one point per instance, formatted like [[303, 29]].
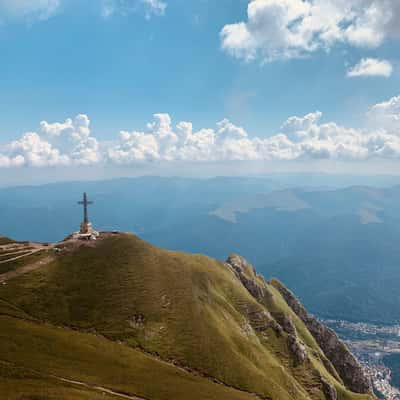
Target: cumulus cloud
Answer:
[[300, 138], [386, 116], [56, 144], [28, 9], [124, 7], [371, 67], [283, 29]]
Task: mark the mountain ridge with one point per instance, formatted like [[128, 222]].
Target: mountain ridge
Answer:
[[221, 321], [343, 244]]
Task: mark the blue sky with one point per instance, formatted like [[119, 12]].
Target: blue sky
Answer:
[[120, 70], [66, 57]]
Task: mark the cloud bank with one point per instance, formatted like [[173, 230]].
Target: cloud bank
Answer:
[[71, 143], [57, 144], [285, 29], [371, 67]]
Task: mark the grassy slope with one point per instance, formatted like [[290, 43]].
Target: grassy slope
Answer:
[[33, 386], [185, 308], [13, 265], [84, 357]]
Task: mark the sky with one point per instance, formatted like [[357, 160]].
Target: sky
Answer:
[[90, 85]]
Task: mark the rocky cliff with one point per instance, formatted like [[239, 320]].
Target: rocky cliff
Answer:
[[339, 361], [344, 362]]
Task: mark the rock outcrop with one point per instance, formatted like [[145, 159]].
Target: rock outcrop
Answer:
[[285, 321], [346, 365], [338, 361], [297, 348], [248, 276], [329, 390], [262, 320]]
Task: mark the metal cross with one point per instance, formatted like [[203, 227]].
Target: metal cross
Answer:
[[85, 203]]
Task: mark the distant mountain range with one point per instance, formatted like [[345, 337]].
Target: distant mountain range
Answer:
[[338, 249]]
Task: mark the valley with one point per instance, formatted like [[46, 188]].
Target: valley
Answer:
[[378, 349]]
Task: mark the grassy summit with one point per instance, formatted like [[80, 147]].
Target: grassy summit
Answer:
[[141, 321]]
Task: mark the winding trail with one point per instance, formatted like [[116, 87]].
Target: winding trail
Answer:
[[19, 251], [25, 269], [94, 387], [28, 253], [99, 389], [15, 253]]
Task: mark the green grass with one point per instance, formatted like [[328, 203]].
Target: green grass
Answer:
[[13, 265], [94, 360], [33, 386], [188, 309], [10, 255]]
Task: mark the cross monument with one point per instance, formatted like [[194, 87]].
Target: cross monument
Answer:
[[86, 226]]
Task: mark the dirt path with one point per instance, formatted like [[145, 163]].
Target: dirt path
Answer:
[[31, 252], [100, 389], [82, 384], [15, 253], [25, 269]]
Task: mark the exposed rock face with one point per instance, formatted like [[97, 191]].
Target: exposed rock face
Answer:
[[260, 319], [338, 361], [285, 321], [344, 362], [329, 390], [297, 348], [248, 276], [295, 345]]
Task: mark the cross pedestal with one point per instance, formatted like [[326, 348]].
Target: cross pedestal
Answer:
[[86, 231], [86, 228]]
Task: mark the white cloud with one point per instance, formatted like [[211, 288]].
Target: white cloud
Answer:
[[282, 29], [301, 138], [164, 143], [67, 143], [386, 116], [124, 7], [30, 10], [371, 67]]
